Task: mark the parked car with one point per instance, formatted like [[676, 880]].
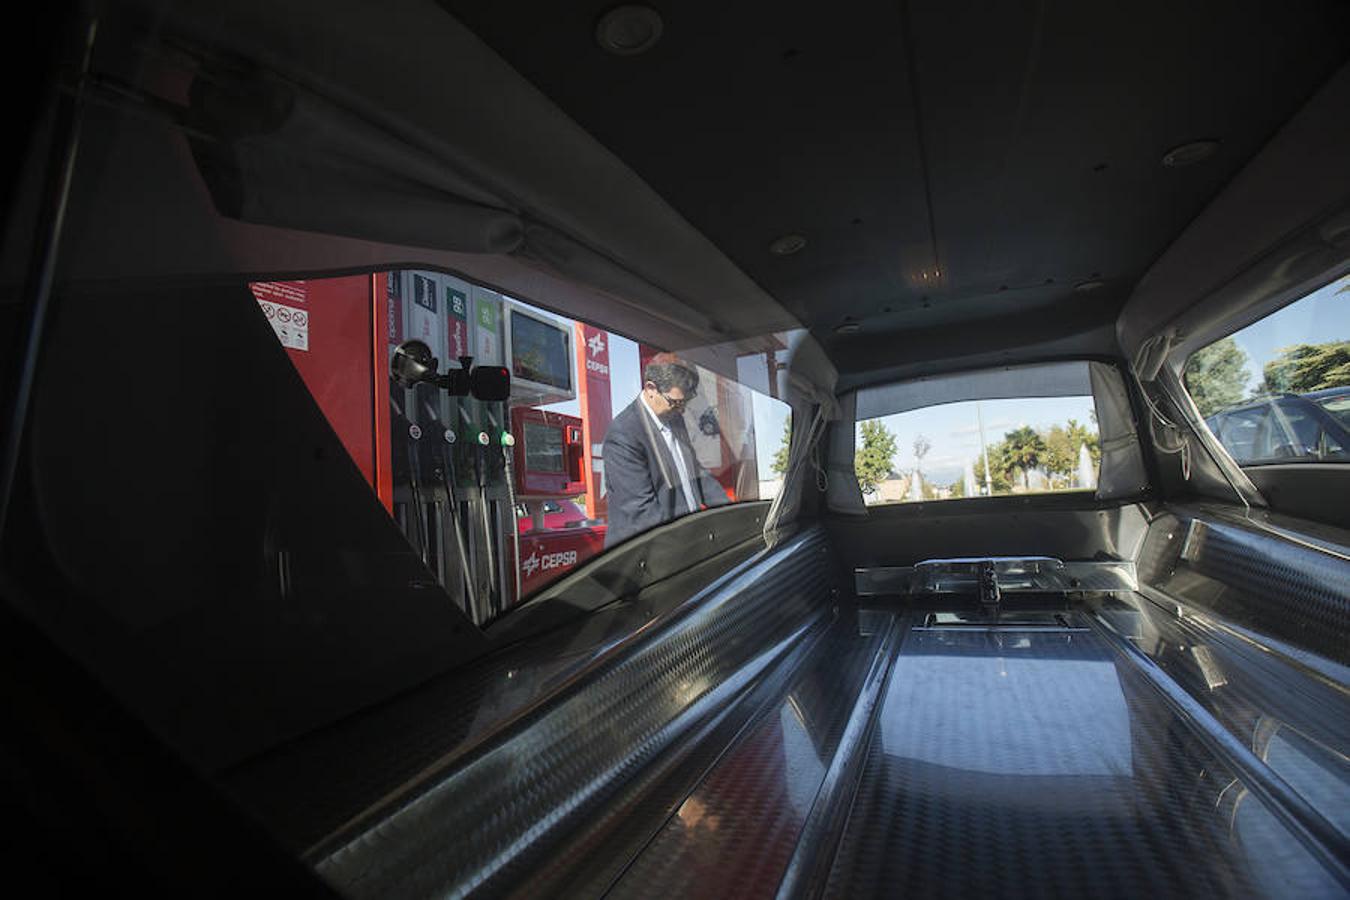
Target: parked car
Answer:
[[557, 514], [1287, 427]]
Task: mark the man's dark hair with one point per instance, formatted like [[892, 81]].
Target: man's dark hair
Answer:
[[666, 371]]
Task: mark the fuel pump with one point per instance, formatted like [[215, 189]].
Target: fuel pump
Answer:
[[474, 398], [547, 470], [523, 359], [448, 459]]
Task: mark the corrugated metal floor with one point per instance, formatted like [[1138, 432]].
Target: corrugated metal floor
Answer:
[[879, 752], [998, 762], [1007, 763]]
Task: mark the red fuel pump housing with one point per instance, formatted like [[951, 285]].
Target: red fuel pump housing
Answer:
[[550, 464], [549, 454], [338, 331], [333, 331]]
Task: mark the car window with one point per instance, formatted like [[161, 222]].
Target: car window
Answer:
[[1278, 390], [1314, 434], [1338, 408], [601, 439], [1244, 433], [984, 446], [1299, 425]]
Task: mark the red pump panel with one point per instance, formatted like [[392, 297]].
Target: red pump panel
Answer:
[[329, 329], [549, 453], [546, 556]]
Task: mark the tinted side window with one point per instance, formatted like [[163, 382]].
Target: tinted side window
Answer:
[[1339, 410], [1244, 433], [1316, 434], [601, 437], [1271, 391]]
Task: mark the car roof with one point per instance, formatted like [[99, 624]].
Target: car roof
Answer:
[[1322, 394]]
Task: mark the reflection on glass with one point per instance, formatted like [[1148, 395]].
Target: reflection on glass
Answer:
[[1278, 390], [1013, 713]]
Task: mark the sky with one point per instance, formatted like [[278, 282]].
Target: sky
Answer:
[[1323, 315], [954, 432]]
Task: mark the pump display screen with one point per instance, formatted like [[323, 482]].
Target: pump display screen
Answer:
[[539, 352], [543, 447]]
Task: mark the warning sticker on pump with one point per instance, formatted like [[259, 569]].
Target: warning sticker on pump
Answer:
[[290, 292], [290, 324]]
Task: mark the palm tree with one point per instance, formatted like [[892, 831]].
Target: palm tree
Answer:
[[1023, 449]]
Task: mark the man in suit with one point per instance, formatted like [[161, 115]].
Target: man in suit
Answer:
[[651, 472]]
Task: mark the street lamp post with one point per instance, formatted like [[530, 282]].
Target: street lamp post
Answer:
[[984, 451]]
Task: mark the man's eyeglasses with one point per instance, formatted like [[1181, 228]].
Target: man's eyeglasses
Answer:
[[676, 403]]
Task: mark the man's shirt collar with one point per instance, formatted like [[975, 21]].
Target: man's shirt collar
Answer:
[[662, 425]]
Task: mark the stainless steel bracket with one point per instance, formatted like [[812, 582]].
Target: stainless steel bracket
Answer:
[[991, 577]]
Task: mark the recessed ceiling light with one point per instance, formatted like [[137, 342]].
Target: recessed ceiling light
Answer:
[[1189, 154], [788, 244], [848, 327], [1084, 286], [629, 30]]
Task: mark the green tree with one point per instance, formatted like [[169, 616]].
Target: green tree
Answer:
[[1061, 449], [1216, 376], [873, 460], [1024, 450], [1308, 367], [1060, 454], [999, 481], [780, 457]]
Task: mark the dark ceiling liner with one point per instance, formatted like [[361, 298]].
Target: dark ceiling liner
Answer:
[[950, 163]]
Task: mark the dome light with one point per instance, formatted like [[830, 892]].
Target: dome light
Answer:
[[629, 30]]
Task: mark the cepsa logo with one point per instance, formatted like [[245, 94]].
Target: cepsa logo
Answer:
[[596, 345], [548, 561]]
